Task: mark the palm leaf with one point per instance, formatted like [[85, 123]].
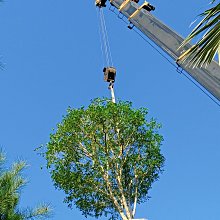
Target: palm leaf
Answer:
[[11, 182], [41, 212], [203, 52]]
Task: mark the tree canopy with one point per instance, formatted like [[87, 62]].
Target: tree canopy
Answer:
[[105, 158], [11, 181]]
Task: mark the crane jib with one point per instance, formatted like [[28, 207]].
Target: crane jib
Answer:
[[169, 41]]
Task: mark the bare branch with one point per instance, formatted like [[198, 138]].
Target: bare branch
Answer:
[[82, 147]]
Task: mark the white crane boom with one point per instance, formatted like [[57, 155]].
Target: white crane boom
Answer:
[[168, 40]]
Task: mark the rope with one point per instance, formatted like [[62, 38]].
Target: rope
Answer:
[[105, 46], [107, 41], [170, 62], [100, 36], [103, 34]]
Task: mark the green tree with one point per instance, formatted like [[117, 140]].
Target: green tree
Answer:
[[105, 158], [11, 181], [203, 52]]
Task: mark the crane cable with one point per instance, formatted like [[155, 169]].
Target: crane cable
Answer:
[[106, 51], [105, 46]]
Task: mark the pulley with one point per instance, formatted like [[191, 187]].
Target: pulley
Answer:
[[109, 76]]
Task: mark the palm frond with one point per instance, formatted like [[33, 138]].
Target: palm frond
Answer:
[[42, 211], [2, 159], [18, 167], [203, 52], [11, 182]]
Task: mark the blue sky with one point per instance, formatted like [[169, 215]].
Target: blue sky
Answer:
[[52, 57]]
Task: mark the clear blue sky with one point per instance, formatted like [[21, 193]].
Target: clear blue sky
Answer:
[[52, 57]]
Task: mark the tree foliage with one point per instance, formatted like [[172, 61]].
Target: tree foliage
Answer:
[[11, 182], [203, 52], [105, 158]]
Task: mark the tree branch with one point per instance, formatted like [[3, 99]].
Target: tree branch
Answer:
[[135, 197], [82, 147], [117, 205], [118, 177]]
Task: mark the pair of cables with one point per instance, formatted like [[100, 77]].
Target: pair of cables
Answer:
[[105, 46]]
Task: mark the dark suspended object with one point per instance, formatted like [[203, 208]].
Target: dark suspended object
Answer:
[[109, 74], [100, 3], [148, 7]]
